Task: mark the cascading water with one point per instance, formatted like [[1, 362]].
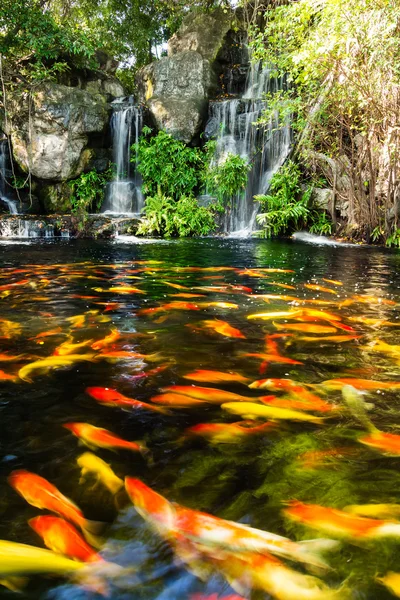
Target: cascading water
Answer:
[[4, 196], [264, 147], [124, 195]]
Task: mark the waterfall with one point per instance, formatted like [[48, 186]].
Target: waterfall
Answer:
[[4, 153], [264, 147], [124, 195]]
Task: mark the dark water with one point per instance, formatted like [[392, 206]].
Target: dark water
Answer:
[[248, 481]]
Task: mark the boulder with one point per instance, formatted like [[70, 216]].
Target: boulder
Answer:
[[49, 129], [201, 33], [177, 87], [56, 198]]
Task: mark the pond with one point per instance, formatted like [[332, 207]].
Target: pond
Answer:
[[140, 318]]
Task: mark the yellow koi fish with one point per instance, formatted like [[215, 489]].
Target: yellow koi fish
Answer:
[[251, 410], [90, 463]]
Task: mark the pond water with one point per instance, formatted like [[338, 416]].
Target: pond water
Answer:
[[56, 295]]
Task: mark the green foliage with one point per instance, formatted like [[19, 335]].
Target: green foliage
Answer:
[[169, 165], [169, 218], [287, 207], [227, 179], [394, 239], [88, 191]]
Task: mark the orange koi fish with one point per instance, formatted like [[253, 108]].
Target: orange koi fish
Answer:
[[275, 384], [175, 305], [273, 358], [7, 376], [102, 438], [319, 288], [208, 530], [207, 394], [240, 288], [188, 296], [62, 537], [113, 398], [39, 492], [227, 433], [12, 285], [340, 523], [177, 286], [332, 281], [112, 337], [373, 322], [298, 401], [177, 400], [305, 328], [223, 328], [329, 338], [267, 270], [218, 305], [123, 289], [359, 384], [282, 285], [366, 299], [205, 376], [285, 314]]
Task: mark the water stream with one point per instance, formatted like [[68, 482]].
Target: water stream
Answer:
[[4, 195], [264, 147], [123, 195]]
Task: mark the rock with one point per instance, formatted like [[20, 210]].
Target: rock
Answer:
[[322, 198], [177, 87], [56, 198], [201, 33], [49, 130]]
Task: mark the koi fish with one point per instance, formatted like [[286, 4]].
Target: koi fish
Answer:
[[319, 288], [210, 531], [177, 286], [305, 328], [329, 338], [7, 376], [271, 575], [207, 394], [102, 438], [123, 289], [175, 305], [21, 559], [268, 270], [332, 281], [273, 358], [308, 402], [186, 295], [373, 322], [284, 314], [69, 347], [62, 537], [383, 347], [202, 375], [112, 337], [282, 285], [177, 400], [39, 492], [381, 511], [391, 581], [77, 321], [223, 328], [340, 523], [218, 305], [113, 398], [359, 384], [251, 410], [227, 433], [43, 365], [90, 463]]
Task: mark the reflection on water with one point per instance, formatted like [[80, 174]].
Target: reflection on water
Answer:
[[141, 319]]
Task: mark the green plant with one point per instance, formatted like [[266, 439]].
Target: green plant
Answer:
[[287, 207], [168, 164], [227, 179], [88, 191], [394, 239], [169, 218]]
